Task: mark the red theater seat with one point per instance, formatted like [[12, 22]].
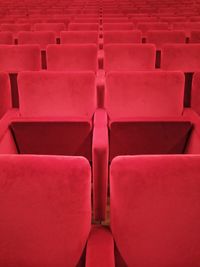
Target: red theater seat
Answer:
[[83, 27], [155, 205], [45, 210], [159, 38], [15, 28], [125, 26], [56, 118], [5, 94], [80, 57], [79, 37], [16, 58], [187, 27], [39, 38], [110, 37], [195, 37], [146, 114], [6, 38], [55, 27], [149, 26], [184, 57], [129, 57]]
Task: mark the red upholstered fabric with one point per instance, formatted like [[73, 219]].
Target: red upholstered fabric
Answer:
[[195, 37], [155, 215], [15, 27], [159, 38], [110, 37], [148, 26], [100, 248], [15, 58], [79, 37], [6, 38], [45, 210], [134, 94], [5, 94], [53, 94], [55, 27], [184, 57], [127, 26], [129, 57], [66, 57], [39, 38], [83, 27], [195, 94]]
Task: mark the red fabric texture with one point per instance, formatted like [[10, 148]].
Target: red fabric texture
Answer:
[[66, 57], [160, 197], [117, 36], [45, 210], [5, 94], [182, 57], [42, 38], [79, 37], [129, 57]]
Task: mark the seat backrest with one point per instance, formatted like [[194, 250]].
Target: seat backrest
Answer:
[[15, 58], [129, 57], [148, 26], [6, 38], [56, 27], [83, 27], [144, 94], [155, 206], [57, 94], [15, 27], [110, 37], [195, 36], [5, 93], [79, 37], [40, 38], [159, 38], [125, 26], [184, 57], [70, 57], [45, 210]]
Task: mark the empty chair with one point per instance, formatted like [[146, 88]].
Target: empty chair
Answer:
[[155, 216], [125, 26], [83, 27], [195, 37], [45, 206], [129, 57], [55, 27], [16, 58], [173, 19], [148, 26], [5, 94], [79, 37], [40, 38], [66, 57], [187, 27], [86, 20], [15, 28], [184, 57], [110, 37], [115, 20], [56, 118], [146, 114], [6, 38], [165, 37]]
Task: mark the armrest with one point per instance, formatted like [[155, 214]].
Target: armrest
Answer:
[[191, 115], [100, 154], [5, 121], [100, 85], [100, 248], [101, 58]]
